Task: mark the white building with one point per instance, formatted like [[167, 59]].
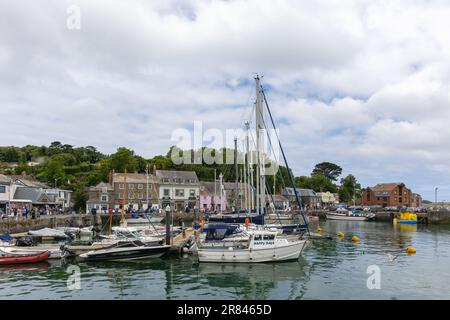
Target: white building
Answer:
[[178, 189]]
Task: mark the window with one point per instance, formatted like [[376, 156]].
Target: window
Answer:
[[140, 196], [119, 195], [385, 198], [104, 190], [130, 196], [150, 186], [140, 186], [179, 192], [166, 193], [120, 185], [104, 198], [2, 189], [131, 186], [258, 237], [165, 180], [192, 193]]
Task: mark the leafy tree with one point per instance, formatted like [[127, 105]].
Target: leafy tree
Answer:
[[330, 170], [123, 159], [350, 189], [22, 168]]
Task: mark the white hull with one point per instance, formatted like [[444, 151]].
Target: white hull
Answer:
[[344, 217], [287, 252]]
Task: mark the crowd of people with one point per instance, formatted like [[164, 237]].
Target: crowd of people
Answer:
[[23, 213]]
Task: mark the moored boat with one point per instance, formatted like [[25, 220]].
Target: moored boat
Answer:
[[349, 216], [126, 251], [261, 246], [22, 259], [55, 252]]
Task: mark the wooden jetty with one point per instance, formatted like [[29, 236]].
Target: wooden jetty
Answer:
[[181, 240]]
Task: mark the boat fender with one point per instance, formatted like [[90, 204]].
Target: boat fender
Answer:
[[319, 230], [395, 221], [340, 234], [355, 239], [410, 250]]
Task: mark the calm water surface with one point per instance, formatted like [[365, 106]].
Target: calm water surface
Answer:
[[328, 269]]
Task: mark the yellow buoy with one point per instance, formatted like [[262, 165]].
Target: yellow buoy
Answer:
[[395, 221], [410, 250], [319, 230], [355, 239], [340, 234]]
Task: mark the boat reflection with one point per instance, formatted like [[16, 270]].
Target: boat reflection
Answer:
[[257, 280], [38, 266]]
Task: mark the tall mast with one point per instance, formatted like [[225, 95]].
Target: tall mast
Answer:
[[236, 198], [260, 181], [146, 171], [246, 194], [124, 196], [221, 191], [215, 189]]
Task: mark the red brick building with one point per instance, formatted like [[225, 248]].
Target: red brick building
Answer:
[[417, 200], [388, 195]]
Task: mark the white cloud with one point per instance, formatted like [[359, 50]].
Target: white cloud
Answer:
[[364, 84]]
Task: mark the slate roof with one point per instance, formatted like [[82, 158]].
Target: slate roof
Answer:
[[301, 192], [173, 174], [34, 194]]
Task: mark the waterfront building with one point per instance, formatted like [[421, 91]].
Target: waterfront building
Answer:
[[387, 195], [210, 199], [100, 197], [328, 198], [138, 193], [280, 202], [308, 197], [178, 189], [417, 200], [5, 185], [19, 191]]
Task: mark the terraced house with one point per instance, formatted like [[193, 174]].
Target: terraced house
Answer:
[[388, 195], [178, 189], [137, 191]]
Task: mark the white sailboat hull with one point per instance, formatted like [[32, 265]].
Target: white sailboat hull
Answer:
[[345, 217], [286, 252]]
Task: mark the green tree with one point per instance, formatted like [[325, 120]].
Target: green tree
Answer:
[[123, 159], [330, 170], [350, 189]]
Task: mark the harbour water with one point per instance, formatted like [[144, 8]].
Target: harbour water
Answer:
[[328, 269]]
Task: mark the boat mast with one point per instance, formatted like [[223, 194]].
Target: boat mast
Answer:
[[244, 177], [236, 198], [124, 196], [260, 178], [221, 190], [146, 171], [247, 166]]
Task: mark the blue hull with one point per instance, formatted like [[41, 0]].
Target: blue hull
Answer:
[[407, 221]]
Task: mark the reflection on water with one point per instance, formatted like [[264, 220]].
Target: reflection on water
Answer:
[[328, 269]]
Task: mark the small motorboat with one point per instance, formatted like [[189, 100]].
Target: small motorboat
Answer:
[[350, 216], [56, 252], [23, 258], [126, 251], [48, 233]]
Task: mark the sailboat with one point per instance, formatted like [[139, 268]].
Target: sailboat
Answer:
[[260, 243]]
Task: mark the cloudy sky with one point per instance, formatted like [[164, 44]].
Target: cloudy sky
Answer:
[[364, 84]]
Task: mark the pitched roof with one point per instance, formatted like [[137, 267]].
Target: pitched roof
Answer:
[[301, 192], [100, 187], [134, 178], [173, 174], [383, 187], [36, 195]]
